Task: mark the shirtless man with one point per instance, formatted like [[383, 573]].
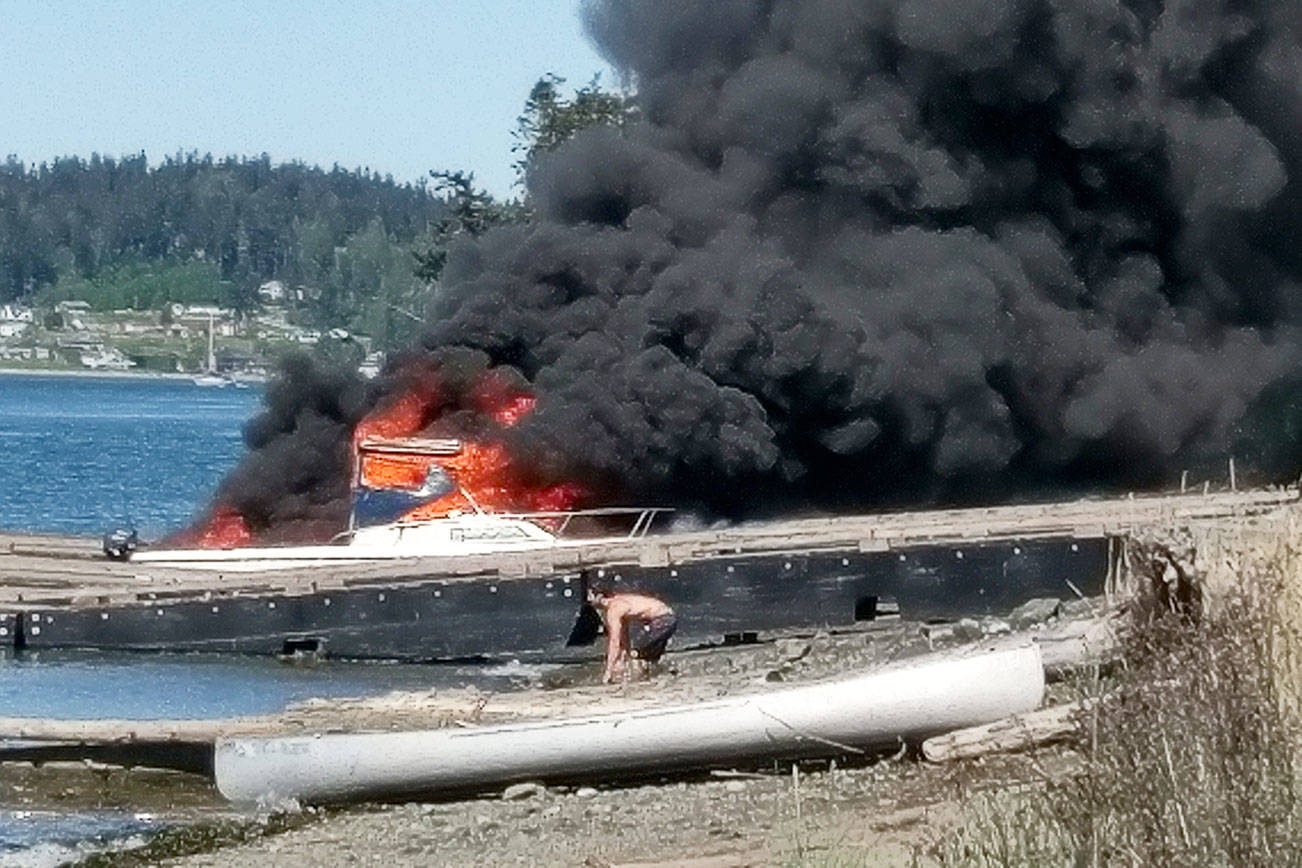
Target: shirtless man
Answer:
[[637, 625]]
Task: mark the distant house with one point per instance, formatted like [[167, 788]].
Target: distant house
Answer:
[[133, 327], [13, 328], [371, 365], [24, 354], [74, 345], [273, 292], [16, 313], [106, 359], [73, 307], [198, 316]]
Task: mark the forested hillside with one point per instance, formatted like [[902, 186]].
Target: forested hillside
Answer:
[[118, 232]]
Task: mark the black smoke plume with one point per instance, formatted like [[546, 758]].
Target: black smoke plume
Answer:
[[860, 252], [293, 484]]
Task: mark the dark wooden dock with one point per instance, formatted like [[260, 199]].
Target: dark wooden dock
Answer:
[[728, 585]]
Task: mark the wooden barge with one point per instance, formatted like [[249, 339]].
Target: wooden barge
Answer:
[[729, 585]]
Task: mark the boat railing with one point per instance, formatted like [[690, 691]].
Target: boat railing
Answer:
[[645, 516], [641, 525]]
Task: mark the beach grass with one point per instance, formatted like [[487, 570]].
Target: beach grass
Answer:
[[1191, 753]]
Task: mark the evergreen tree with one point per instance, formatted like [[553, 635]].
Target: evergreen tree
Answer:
[[249, 219], [549, 119]]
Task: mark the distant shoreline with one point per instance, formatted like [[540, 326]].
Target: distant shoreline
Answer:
[[87, 373]]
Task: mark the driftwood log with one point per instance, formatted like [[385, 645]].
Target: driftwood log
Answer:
[[127, 731], [1073, 645], [1019, 732]]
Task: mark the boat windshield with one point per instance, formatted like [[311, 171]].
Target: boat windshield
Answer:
[[437, 484], [372, 506]]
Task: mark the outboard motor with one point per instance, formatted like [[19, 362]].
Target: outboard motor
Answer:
[[120, 543]]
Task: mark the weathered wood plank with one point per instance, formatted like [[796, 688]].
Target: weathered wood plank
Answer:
[[1019, 732]]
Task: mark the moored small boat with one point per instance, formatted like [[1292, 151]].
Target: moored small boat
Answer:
[[907, 701], [210, 381]]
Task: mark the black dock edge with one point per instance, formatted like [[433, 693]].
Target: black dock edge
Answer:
[[731, 598]]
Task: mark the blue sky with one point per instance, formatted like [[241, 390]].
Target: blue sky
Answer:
[[399, 87]]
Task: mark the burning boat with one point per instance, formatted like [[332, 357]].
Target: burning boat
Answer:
[[430, 476], [407, 503]]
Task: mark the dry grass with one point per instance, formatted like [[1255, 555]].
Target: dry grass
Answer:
[[1192, 756]]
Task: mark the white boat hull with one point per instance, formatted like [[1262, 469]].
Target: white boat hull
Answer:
[[910, 701], [453, 536]]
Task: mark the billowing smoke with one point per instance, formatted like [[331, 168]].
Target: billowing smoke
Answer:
[[293, 484], [867, 251]]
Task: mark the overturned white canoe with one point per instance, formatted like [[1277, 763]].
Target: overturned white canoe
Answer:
[[910, 701]]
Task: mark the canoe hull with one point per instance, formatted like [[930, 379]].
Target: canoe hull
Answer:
[[910, 702]]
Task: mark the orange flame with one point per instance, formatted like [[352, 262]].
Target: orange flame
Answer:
[[559, 497], [482, 471], [515, 410], [393, 471], [224, 528], [400, 417], [505, 403]]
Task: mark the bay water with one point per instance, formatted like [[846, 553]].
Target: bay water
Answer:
[[80, 455]]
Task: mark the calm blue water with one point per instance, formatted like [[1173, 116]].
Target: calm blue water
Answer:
[[79, 455], [93, 685]]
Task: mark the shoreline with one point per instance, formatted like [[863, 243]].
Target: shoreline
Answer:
[[87, 374], [74, 373]]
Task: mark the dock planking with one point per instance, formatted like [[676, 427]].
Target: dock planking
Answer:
[[728, 585]]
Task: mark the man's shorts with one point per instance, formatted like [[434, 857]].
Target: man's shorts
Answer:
[[648, 637]]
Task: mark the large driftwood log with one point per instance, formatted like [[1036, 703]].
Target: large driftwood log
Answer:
[[128, 731], [183, 745], [1018, 732], [1074, 644]]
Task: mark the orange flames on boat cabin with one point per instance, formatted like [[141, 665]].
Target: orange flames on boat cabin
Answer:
[[427, 431], [393, 450]]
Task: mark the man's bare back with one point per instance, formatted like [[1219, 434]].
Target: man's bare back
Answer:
[[636, 624], [636, 606]]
